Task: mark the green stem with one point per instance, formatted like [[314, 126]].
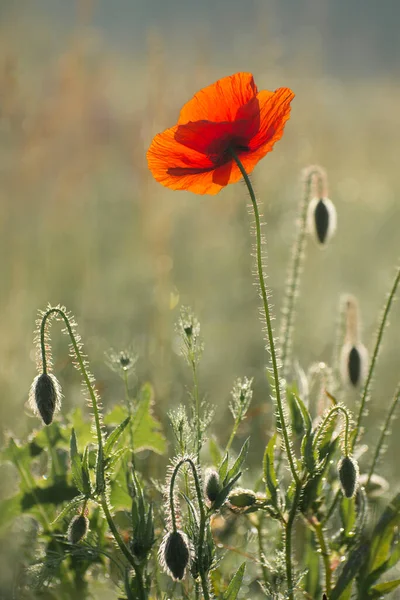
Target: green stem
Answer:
[[332, 507], [197, 409], [80, 360], [319, 532], [268, 319], [381, 328], [261, 552], [128, 402], [294, 274], [234, 430], [124, 549], [329, 416], [203, 517], [288, 539], [384, 431]]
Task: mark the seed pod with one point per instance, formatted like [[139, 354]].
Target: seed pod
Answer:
[[77, 529], [212, 485], [354, 363], [45, 396], [321, 219], [241, 499], [348, 475], [174, 554]]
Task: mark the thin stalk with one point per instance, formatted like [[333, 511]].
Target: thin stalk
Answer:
[[378, 342], [288, 539], [197, 408], [332, 507], [203, 517], [261, 552], [80, 360], [319, 532], [129, 406], [384, 431], [329, 416], [268, 319], [234, 431], [294, 273]]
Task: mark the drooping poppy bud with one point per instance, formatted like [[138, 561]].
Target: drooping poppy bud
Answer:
[[174, 554], [78, 528], [348, 475], [45, 396], [321, 219], [212, 485]]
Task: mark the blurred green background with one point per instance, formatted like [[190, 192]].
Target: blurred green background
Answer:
[[83, 88]]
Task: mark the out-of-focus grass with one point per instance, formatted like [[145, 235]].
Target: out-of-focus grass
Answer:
[[83, 223]]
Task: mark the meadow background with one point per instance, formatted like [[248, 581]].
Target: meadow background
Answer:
[[83, 88]]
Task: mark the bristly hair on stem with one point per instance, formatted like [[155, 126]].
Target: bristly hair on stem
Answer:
[[315, 183], [368, 382]]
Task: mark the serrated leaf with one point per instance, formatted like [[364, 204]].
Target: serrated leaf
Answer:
[[76, 463], [146, 429], [233, 588], [381, 589], [114, 436], [234, 470], [269, 470], [223, 468]]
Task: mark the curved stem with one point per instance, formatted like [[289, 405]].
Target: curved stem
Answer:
[[384, 431], [80, 360], [295, 269], [381, 328], [329, 416], [203, 517], [268, 319]]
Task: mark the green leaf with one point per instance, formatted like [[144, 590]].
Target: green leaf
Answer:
[[234, 470], [304, 413], [72, 505], [76, 463], [87, 487], [114, 437], [269, 470], [233, 588], [348, 514], [223, 468], [342, 589], [146, 429], [383, 534], [384, 588], [222, 495], [100, 481], [215, 451]]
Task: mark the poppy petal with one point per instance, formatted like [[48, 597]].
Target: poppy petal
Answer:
[[221, 100], [213, 139], [274, 111]]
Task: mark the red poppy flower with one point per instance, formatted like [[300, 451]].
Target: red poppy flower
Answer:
[[230, 114]]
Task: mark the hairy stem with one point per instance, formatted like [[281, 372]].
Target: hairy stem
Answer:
[[288, 539], [329, 416], [384, 432], [378, 342], [268, 319], [319, 532]]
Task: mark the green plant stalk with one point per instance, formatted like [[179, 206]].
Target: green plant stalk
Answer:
[[268, 320], [129, 406], [124, 549], [261, 552], [332, 507], [234, 431], [294, 274], [203, 517], [335, 409], [288, 539], [378, 342], [385, 428], [197, 407], [319, 532], [81, 364]]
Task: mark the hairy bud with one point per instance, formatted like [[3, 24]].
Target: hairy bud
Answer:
[[45, 396], [348, 475], [77, 529], [240, 499], [174, 554], [322, 219], [212, 485], [354, 363]]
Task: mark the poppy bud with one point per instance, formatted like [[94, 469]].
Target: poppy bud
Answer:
[[354, 362], [174, 554], [45, 396], [321, 218], [212, 485], [348, 475], [241, 499], [77, 529]]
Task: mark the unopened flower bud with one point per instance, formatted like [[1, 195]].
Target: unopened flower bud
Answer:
[[77, 529], [354, 363], [240, 499], [212, 485], [45, 396], [322, 219], [174, 554], [348, 475]]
